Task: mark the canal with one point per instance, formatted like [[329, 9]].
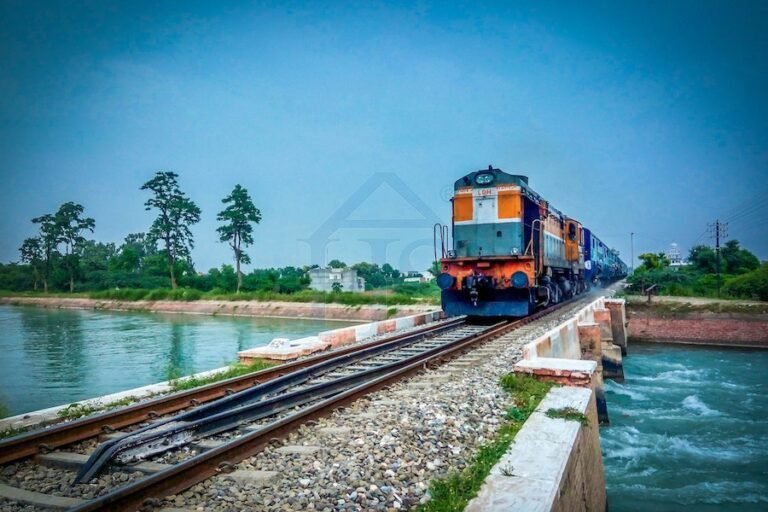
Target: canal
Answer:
[[689, 430], [51, 357]]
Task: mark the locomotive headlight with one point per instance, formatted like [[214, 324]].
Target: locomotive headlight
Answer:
[[514, 251], [451, 254], [445, 280], [519, 279]]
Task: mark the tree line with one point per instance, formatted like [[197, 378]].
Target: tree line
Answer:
[[60, 249], [60, 257], [736, 273]]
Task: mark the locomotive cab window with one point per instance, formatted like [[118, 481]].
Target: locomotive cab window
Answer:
[[572, 231]]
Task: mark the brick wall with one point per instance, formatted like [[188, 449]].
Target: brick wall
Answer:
[[701, 328]]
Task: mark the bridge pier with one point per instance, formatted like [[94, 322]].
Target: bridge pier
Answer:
[[618, 323], [613, 367], [590, 341]]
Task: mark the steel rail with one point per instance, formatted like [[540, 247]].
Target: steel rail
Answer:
[[181, 476], [46, 439], [250, 404]]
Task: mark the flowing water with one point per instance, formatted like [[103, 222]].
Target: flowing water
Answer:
[[689, 430], [51, 357]]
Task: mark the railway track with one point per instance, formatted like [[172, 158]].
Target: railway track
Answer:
[[230, 426]]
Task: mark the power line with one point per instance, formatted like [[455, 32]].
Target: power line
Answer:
[[719, 231], [757, 198]]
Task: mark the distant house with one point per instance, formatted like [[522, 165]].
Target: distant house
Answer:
[[414, 276], [323, 279]]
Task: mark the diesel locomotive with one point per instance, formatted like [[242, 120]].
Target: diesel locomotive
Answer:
[[513, 252]]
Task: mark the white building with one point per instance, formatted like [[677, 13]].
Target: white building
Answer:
[[414, 276], [323, 279], [675, 259]]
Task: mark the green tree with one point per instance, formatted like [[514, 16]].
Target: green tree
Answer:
[[176, 213], [70, 223], [653, 261], [736, 260], [751, 285], [337, 264], [239, 217], [336, 287], [32, 252], [703, 259], [49, 240]]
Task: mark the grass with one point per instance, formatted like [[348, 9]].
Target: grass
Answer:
[[12, 431], [234, 370], [453, 492], [676, 308], [569, 414], [78, 410], [191, 294]]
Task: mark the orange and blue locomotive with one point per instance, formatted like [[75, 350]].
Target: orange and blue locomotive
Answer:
[[513, 252]]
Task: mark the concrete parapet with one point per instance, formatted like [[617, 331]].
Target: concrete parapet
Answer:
[[568, 372], [553, 465], [617, 307], [603, 318], [613, 366], [590, 340], [284, 350]]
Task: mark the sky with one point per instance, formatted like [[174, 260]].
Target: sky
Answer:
[[348, 122]]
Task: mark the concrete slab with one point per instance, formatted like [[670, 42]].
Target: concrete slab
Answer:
[[298, 449], [38, 499], [552, 363], [64, 460], [252, 477]]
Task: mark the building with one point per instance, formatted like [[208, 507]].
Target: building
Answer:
[[414, 276], [675, 259], [323, 279]]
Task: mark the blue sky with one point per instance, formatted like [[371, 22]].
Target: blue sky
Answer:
[[649, 118]]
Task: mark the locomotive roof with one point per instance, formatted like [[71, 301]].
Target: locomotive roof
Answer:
[[499, 177]]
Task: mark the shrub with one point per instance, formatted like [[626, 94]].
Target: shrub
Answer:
[[752, 285]]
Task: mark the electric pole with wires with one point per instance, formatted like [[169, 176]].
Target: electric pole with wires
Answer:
[[719, 232]]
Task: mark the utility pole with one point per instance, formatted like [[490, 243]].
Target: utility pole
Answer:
[[719, 232], [632, 248]]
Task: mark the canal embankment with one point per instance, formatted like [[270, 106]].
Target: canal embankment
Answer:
[[245, 308], [698, 321]]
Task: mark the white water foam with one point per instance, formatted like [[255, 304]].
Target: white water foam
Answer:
[[694, 403], [619, 389], [677, 377], [715, 493]]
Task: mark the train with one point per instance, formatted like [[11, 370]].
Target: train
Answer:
[[513, 253]]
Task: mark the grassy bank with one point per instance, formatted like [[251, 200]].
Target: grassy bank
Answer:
[[234, 370], [683, 305], [191, 294], [453, 492]]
